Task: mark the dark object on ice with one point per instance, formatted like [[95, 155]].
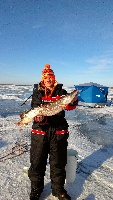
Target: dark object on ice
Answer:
[[19, 149], [62, 195], [35, 195]]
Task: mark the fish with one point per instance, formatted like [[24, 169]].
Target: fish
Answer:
[[48, 109]]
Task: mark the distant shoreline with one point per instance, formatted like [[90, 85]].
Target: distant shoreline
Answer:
[[15, 84], [33, 84]]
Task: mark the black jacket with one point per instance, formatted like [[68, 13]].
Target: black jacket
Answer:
[[57, 121]]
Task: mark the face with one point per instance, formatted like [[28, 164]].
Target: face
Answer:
[[49, 82]]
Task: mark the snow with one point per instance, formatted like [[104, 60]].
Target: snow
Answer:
[[91, 135]]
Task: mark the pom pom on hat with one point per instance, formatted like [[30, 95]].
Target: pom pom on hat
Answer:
[[47, 71]]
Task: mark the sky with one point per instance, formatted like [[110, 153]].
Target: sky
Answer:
[[74, 36]]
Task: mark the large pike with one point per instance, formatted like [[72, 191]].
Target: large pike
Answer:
[[47, 109]]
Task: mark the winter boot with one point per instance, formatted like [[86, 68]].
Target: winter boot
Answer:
[[62, 195], [35, 194]]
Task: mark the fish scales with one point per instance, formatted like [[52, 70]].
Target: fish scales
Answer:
[[48, 109]]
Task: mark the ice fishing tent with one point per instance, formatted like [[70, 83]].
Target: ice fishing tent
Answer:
[[92, 94]]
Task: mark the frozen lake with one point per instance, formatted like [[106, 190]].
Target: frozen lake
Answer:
[[91, 134]]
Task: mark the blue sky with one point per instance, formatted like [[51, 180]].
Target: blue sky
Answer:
[[74, 36]]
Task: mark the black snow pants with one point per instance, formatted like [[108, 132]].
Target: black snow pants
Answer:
[[56, 146]]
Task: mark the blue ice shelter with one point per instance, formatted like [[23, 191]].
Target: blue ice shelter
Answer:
[[92, 94]]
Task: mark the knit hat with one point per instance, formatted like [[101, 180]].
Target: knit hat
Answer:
[[47, 71]]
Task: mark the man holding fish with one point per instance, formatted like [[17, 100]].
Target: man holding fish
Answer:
[[49, 136]]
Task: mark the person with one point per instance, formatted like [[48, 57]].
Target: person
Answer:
[[49, 137]]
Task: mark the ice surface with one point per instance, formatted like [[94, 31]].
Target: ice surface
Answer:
[[91, 135]]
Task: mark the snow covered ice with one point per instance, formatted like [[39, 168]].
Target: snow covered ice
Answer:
[[91, 135]]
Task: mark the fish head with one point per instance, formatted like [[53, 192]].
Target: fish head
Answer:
[[69, 97]]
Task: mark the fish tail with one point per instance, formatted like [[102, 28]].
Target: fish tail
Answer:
[[22, 115], [19, 124]]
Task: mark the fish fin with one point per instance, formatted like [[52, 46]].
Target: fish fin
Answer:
[[22, 115], [18, 124], [26, 124], [63, 106]]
